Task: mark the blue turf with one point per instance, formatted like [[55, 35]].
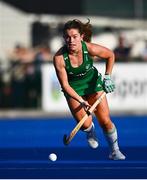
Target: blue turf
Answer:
[[26, 143]]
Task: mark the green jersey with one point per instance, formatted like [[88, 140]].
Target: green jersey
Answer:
[[84, 79]]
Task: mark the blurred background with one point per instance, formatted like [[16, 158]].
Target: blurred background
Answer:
[[30, 34], [34, 114]]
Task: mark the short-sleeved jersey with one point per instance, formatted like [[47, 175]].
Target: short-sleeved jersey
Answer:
[[84, 79]]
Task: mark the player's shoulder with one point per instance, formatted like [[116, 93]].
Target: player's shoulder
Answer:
[[90, 44], [58, 57], [59, 52]]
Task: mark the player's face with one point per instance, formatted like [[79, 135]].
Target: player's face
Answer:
[[73, 39]]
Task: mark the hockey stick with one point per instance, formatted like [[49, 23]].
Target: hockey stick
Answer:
[[67, 139]]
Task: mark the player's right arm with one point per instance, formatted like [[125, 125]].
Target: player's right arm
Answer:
[[59, 65]]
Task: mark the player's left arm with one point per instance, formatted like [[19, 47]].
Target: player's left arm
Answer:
[[108, 55], [104, 53]]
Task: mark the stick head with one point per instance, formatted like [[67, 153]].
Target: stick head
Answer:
[[65, 140]]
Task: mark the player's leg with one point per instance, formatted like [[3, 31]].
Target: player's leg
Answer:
[[78, 113], [109, 129]]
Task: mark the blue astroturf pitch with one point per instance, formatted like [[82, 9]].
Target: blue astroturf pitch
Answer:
[[25, 145]]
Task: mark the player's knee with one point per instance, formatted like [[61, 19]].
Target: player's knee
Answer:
[[87, 124], [106, 124]]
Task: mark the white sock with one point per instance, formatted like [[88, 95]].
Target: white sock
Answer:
[[89, 128], [111, 137]]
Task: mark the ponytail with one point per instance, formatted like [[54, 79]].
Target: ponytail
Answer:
[[87, 31]]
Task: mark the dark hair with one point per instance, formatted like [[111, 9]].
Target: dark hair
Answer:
[[84, 28]]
